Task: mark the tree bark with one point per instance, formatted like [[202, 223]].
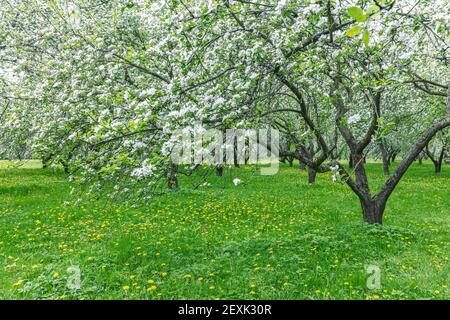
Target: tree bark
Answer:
[[436, 161], [386, 166], [394, 155], [311, 175], [172, 177], [437, 167], [441, 157], [385, 157], [350, 162], [373, 210]]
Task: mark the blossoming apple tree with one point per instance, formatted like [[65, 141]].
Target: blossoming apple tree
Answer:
[[103, 85]]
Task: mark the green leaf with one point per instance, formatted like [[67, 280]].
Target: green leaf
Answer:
[[353, 31], [357, 14], [366, 37]]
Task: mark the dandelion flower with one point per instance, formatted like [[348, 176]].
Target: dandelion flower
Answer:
[[18, 283]]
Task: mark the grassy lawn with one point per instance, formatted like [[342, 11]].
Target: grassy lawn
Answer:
[[272, 237]]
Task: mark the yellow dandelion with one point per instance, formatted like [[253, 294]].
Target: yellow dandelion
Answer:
[[18, 283]]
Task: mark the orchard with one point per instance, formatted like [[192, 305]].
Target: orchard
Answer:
[[314, 136]]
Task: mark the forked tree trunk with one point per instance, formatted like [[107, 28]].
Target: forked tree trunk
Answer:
[[373, 206], [393, 157], [437, 162], [311, 175], [382, 197], [373, 210]]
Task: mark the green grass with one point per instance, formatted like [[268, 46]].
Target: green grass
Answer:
[[24, 164], [273, 237]]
